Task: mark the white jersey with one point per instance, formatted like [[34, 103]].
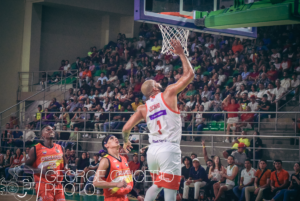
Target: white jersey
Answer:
[[164, 124]]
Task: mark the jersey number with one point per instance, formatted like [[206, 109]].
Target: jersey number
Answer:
[[159, 125]]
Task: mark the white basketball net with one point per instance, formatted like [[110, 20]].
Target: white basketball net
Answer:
[[169, 33]]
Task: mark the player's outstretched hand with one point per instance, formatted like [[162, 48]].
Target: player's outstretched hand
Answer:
[[127, 147], [140, 198], [177, 48], [122, 184]]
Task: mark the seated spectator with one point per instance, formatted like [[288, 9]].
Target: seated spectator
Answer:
[[253, 76], [247, 120], [102, 77], [156, 47], [206, 93], [82, 119], [230, 176], [279, 181], [191, 103], [261, 182], [197, 179], [237, 82], [279, 93], [136, 103], [215, 175], [90, 174], [242, 91], [54, 106], [253, 104], [198, 122], [258, 146], [82, 167], [253, 91], [240, 156], [38, 115], [64, 136], [286, 81], [134, 165], [86, 75], [294, 187], [7, 161], [17, 137], [185, 172], [159, 76], [285, 64], [229, 104], [244, 101], [14, 167], [28, 135], [235, 144], [247, 179], [273, 73]]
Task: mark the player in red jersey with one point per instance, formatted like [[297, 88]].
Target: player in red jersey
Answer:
[[113, 174], [47, 161]]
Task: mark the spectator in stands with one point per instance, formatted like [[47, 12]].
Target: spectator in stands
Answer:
[[235, 144], [7, 161], [247, 179], [193, 155], [279, 181], [197, 179], [16, 161], [28, 135], [229, 104], [294, 187], [215, 175], [198, 122], [64, 136], [240, 156], [286, 81], [73, 106], [247, 120], [38, 115], [86, 75], [17, 137], [134, 165], [136, 103], [261, 182], [82, 119], [185, 172], [159, 76], [90, 174], [242, 91], [47, 119], [231, 173], [253, 104], [258, 146], [279, 93], [113, 121], [155, 47], [5, 135], [102, 77], [82, 167]]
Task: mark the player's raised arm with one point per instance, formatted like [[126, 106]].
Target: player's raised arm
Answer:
[[101, 173], [134, 120], [188, 72]]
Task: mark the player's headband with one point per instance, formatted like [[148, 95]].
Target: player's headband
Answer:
[[104, 141]]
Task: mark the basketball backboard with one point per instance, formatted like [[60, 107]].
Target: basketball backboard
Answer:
[[151, 11]]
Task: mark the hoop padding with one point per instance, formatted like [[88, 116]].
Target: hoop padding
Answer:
[[169, 33]]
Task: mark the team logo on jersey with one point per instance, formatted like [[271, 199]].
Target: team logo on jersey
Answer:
[[57, 151], [114, 161], [44, 152], [126, 164], [117, 166]]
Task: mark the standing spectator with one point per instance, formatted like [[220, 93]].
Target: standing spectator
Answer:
[[229, 104], [247, 179], [279, 181], [230, 176], [293, 189], [261, 182], [240, 156], [197, 179], [38, 115]]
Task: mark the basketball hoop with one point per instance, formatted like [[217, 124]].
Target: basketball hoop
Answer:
[[169, 33]]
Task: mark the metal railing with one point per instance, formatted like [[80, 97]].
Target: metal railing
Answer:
[[39, 80], [212, 135]]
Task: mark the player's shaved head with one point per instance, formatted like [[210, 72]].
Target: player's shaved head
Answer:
[[147, 87]]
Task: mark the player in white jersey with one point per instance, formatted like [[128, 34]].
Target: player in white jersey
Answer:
[[164, 122]]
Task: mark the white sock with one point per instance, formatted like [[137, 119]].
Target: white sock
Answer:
[[152, 192], [170, 194]]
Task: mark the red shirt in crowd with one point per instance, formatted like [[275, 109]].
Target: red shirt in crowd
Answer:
[[88, 73], [272, 75], [158, 77], [232, 108], [137, 87], [254, 75], [237, 48], [134, 166], [246, 116]]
